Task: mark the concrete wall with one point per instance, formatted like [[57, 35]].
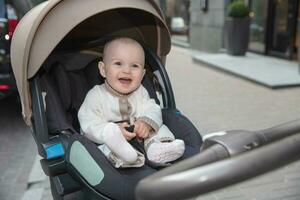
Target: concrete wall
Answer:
[[206, 28]]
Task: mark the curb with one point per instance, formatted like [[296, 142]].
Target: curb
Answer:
[[180, 43]]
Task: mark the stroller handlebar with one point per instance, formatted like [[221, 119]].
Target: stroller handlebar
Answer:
[[210, 170]]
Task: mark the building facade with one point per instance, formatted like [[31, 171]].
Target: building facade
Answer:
[[273, 29], [207, 25]]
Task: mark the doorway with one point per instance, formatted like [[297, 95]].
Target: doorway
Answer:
[[282, 20], [258, 27], [273, 29]]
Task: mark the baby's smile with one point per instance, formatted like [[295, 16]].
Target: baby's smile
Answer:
[[125, 80]]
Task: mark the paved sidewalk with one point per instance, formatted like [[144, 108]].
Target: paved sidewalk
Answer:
[[17, 150], [217, 101], [268, 71], [265, 70], [37, 182]]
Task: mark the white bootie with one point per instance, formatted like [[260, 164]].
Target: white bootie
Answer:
[[164, 152]]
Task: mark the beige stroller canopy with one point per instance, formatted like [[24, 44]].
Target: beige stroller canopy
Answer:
[[43, 28]]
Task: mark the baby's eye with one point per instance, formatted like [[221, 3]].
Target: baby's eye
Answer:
[[118, 63], [135, 66]]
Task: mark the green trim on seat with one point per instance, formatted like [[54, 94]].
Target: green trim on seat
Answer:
[[83, 162]]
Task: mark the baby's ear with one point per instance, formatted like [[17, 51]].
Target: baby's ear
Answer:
[[101, 67], [144, 72]]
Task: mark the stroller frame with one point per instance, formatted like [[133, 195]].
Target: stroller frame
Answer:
[[61, 172]]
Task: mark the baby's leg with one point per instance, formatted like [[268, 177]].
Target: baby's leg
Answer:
[[162, 147], [116, 142]]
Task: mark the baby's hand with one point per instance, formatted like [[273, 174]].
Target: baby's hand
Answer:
[[128, 135], [142, 129]]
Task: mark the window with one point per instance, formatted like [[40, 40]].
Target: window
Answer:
[[2, 9]]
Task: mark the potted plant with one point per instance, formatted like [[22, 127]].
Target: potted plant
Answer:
[[237, 25]]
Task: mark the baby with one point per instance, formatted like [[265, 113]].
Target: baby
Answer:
[[123, 98]]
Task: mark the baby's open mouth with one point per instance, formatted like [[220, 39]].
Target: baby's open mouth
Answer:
[[125, 80]]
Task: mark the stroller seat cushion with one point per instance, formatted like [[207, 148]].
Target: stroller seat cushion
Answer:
[[62, 82], [56, 117], [83, 162], [68, 71], [115, 183]]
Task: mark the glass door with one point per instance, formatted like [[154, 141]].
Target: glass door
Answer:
[[297, 40], [258, 26], [283, 17]]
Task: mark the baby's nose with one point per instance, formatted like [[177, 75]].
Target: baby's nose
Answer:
[[126, 69]]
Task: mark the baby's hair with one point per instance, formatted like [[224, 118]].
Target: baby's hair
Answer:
[[121, 39]]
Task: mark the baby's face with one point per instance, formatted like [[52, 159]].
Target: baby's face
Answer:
[[123, 66]]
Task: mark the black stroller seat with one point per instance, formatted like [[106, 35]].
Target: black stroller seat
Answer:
[[65, 81]]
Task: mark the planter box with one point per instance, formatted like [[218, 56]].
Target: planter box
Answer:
[[237, 35]]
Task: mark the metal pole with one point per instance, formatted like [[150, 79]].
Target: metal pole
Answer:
[[183, 184]]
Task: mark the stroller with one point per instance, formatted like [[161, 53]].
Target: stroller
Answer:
[[55, 51]]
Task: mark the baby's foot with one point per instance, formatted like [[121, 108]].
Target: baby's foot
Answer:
[[163, 152]]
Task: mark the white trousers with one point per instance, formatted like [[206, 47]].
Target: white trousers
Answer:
[[163, 134]]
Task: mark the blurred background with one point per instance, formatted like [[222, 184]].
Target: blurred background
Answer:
[[259, 89], [197, 24], [273, 26]]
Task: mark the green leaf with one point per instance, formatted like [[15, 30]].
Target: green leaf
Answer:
[[238, 9]]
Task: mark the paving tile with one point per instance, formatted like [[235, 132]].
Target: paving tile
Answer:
[[271, 72]]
